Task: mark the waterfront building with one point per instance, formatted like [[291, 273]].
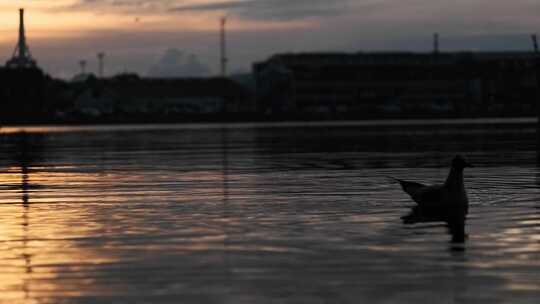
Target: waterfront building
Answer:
[[396, 84]]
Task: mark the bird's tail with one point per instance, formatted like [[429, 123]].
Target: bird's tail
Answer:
[[410, 187], [394, 179]]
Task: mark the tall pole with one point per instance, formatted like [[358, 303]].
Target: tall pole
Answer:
[[436, 43], [536, 63], [82, 63], [223, 48], [101, 59]]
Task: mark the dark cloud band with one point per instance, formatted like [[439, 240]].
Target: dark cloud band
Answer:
[[272, 9], [285, 10]]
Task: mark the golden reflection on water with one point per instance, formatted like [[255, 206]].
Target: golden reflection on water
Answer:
[[46, 217], [33, 237]]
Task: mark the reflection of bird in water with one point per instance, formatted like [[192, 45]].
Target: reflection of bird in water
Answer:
[[453, 216], [447, 202]]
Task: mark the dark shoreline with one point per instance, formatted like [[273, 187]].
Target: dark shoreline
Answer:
[[254, 118], [520, 125]]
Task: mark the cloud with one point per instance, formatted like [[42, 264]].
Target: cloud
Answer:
[[271, 9], [176, 63], [124, 6], [280, 10]]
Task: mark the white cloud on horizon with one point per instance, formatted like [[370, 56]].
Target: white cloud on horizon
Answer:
[[176, 63]]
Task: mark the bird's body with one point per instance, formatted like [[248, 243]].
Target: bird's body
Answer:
[[451, 193]]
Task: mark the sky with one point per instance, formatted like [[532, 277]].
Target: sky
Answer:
[[180, 37]]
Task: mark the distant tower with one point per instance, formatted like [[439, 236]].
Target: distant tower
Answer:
[[21, 56], [101, 68], [223, 48], [436, 43], [82, 64]]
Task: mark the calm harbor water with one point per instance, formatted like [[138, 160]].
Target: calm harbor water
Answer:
[[265, 213]]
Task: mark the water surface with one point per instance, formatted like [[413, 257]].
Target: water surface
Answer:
[[263, 213]]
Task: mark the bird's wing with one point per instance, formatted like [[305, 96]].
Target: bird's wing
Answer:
[[429, 195], [420, 193]]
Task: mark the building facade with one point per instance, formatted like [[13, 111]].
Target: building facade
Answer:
[[397, 84]]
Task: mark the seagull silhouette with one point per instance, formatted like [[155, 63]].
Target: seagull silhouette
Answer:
[[451, 193]]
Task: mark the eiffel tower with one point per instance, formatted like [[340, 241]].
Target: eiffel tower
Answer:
[[22, 59]]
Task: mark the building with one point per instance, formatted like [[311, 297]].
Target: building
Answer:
[[357, 85]]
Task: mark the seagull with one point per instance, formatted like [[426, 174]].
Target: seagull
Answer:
[[450, 194]]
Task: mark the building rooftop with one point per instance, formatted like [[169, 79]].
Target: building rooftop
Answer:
[[395, 58]]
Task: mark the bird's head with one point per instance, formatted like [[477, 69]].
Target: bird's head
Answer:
[[459, 162]]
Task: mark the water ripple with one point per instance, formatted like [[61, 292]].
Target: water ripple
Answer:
[[262, 215]]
